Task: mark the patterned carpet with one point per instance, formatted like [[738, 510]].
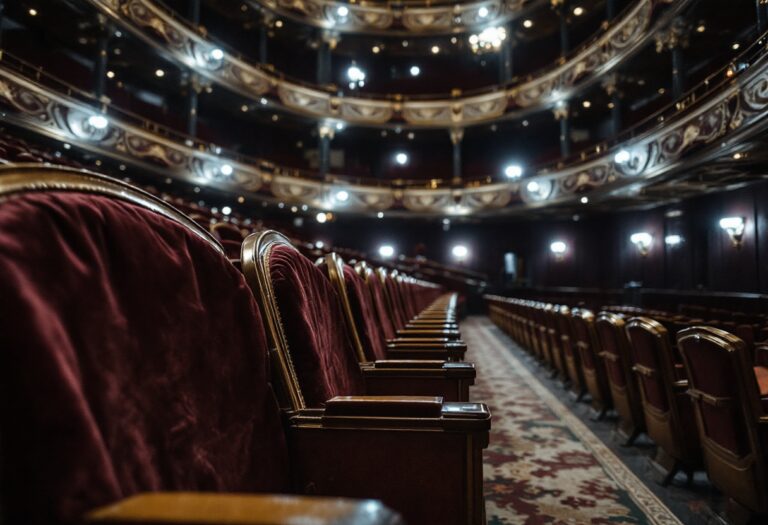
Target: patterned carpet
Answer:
[[543, 465]]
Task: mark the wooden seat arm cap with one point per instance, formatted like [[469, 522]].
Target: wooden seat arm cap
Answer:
[[385, 406], [241, 509]]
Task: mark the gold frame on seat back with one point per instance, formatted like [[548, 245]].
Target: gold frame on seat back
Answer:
[[254, 257], [33, 178], [748, 475], [335, 265]]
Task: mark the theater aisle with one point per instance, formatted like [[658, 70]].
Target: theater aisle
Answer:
[[543, 464]]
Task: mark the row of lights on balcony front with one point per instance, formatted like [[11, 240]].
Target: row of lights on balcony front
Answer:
[[733, 226], [459, 252]]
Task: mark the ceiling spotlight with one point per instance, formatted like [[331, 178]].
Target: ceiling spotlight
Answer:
[[319, 244], [339, 126], [401, 158], [528, 23], [489, 39], [217, 54], [584, 200], [435, 50], [342, 11], [279, 24], [415, 71], [533, 186], [380, 215], [376, 50], [342, 196], [226, 210], [159, 73], [701, 28], [263, 101], [460, 252], [98, 121], [386, 251], [578, 11], [32, 12], [482, 12], [356, 77], [321, 217], [587, 104], [454, 40], [513, 171], [735, 46], [226, 169], [622, 156]]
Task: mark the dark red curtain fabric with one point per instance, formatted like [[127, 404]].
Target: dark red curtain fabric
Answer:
[[366, 321], [321, 350], [132, 358]]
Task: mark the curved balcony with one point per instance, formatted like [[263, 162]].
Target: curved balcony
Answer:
[[407, 18], [177, 41], [708, 124]]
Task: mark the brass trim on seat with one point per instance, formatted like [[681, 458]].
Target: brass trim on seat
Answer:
[[33, 177]]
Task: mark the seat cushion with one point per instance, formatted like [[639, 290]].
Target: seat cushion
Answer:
[[132, 358], [322, 352]]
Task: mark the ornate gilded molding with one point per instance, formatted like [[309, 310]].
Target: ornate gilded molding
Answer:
[[700, 131], [385, 18], [182, 43]]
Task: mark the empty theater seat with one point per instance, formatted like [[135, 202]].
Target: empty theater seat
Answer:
[[133, 359], [614, 346], [595, 377], [668, 412], [730, 396], [420, 455], [425, 377]]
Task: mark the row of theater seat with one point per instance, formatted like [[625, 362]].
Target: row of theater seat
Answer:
[[140, 368], [695, 390]]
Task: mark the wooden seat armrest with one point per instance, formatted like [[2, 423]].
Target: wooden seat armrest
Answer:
[[419, 332], [414, 368], [426, 341], [762, 420], [681, 386], [385, 406], [408, 363], [240, 509]]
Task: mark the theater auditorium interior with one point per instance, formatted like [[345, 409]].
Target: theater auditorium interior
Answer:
[[383, 262]]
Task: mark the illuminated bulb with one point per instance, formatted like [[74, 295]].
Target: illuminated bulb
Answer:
[[401, 158], [672, 240], [110, 74], [435, 50], [342, 196], [386, 251], [217, 54], [701, 28], [342, 11], [279, 24], [321, 217], [533, 186], [587, 104], [226, 210], [736, 46], [584, 200], [528, 24], [460, 251], [320, 244], [98, 121], [376, 50], [33, 12], [355, 74], [622, 156], [415, 71], [482, 12], [558, 247], [513, 171], [226, 169], [380, 215], [578, 11], [159, 73]]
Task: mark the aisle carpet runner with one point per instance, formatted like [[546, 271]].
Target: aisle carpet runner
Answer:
[[543, 465]]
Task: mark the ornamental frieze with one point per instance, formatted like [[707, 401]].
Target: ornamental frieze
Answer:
[[185, 45], [731, 111]]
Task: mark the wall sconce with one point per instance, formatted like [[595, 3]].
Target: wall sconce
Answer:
[[735, 228], [643, 242], [558, 248], [673, 240]]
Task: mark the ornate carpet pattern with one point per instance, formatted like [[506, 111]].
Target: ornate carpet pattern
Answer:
[[543, 465]]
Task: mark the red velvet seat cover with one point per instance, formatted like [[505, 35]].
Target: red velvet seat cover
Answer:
[[369, 329], [321, 350], [132, 358], [380, 304]]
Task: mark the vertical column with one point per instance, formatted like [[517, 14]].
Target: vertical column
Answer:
[[612, 90], [192, 83], [506, 58], [563, 114], [193, 11], [675, 39], [610, 10], [100, 64], [457, 136], [565, 34], [762, 15], [325, 47], [2, 12], [324, 137], [264, 38]]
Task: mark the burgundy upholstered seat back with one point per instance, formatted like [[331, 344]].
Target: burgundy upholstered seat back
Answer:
[[716, 371], [395, 301], [613, 341], [367, 323], [650, 350], [376, 287], [320, 348], [132, 358]]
